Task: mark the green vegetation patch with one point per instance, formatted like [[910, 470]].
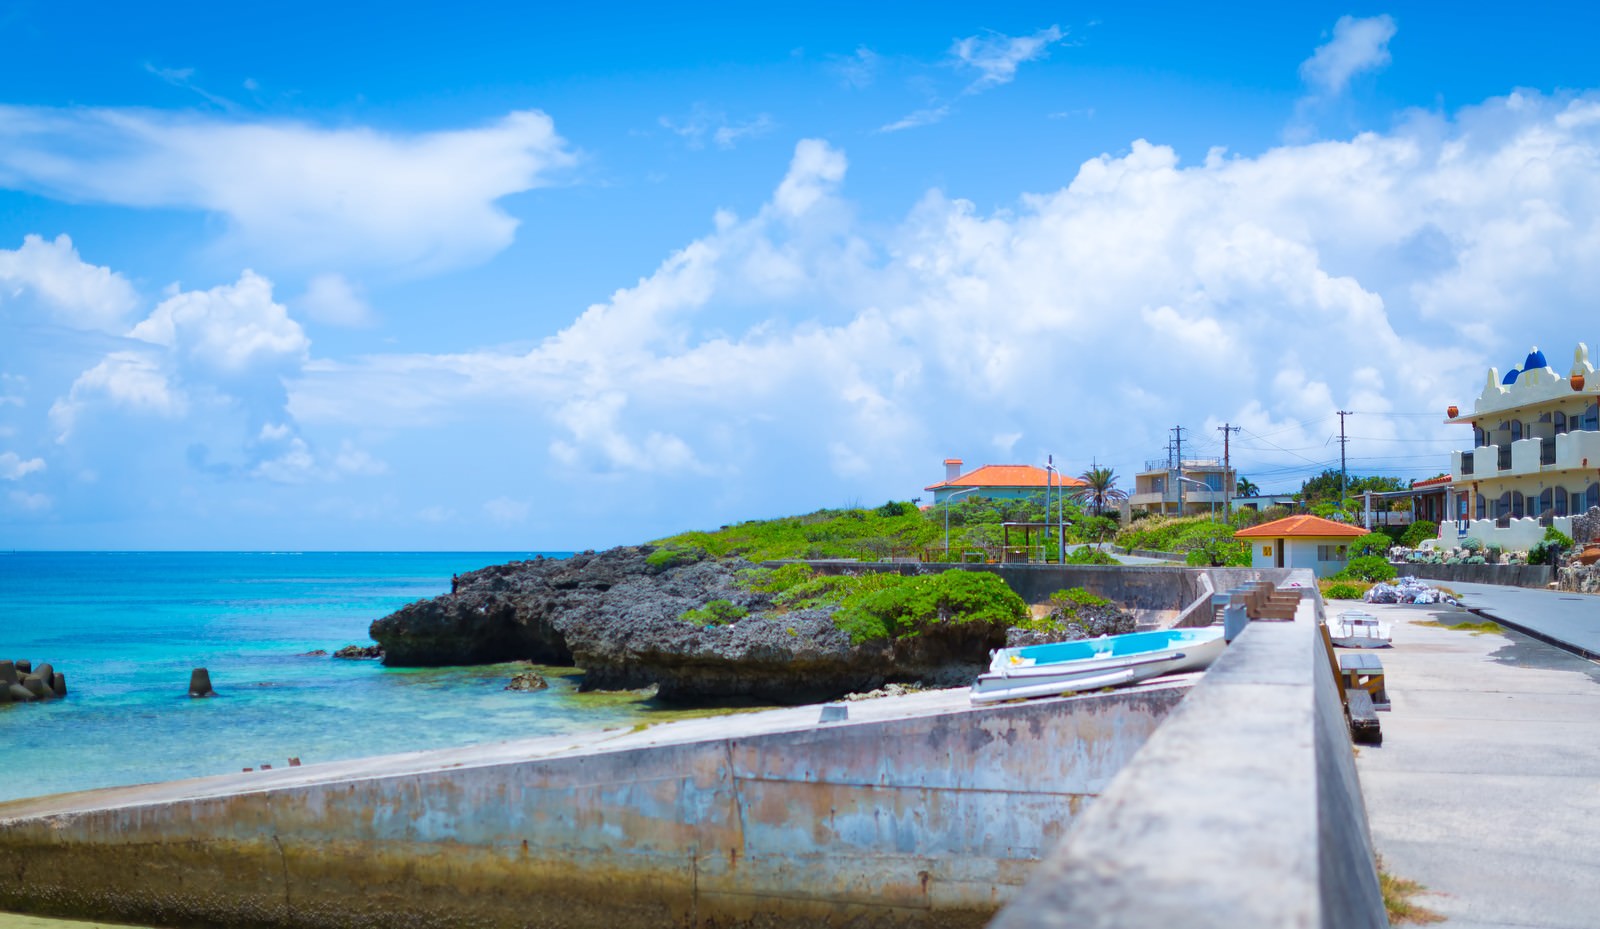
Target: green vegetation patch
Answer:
[[884, 605], [715, 613], [1486, 627], [1205, 541], [1064, 608], [1085, 555], [1342, 590], [855, 534], [1366, 568]]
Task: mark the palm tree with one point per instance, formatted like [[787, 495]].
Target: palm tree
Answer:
[[1101, 490], [1244, 487]]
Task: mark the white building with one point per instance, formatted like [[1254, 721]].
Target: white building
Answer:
[[1302, 541], [1535, 460]]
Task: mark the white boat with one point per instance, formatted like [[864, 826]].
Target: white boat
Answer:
[[1355, 629], [1090, 664]]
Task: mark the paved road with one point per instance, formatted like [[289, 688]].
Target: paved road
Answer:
[[1487, 786], [1573, 620]]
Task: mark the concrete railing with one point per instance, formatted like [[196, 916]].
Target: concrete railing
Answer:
[[1242, 810]]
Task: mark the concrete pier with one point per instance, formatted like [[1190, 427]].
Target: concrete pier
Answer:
[[917, 811]]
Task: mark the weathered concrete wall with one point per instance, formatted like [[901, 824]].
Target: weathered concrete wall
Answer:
[[924, 820], [1538, 576], [1242, 810]]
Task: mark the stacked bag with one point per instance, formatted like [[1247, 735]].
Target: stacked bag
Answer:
[[20, 682]]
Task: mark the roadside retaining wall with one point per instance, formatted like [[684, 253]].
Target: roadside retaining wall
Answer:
[[1242, 810], [1172, 590], [1538, 576], [931, 820]]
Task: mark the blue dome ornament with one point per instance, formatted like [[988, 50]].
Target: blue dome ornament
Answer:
[[1510, 378], [1535, 360]]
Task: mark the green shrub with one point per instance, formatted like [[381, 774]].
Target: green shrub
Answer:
[[1373, 543], [1366, 568], [904, 606], [1086, 555], [1546, 552], [715, 613], [1472, 544], [1552, 534], [672, 556], [1491, 553], [1419, 532], [1343, 590], [1473, 559]]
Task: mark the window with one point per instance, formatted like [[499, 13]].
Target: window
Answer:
[[1591, 417], [1592, 497], [1561, 501], [1330, 552], [1214, 481], [1517, 505], [1541, 504], [1516, 430], [1479, 437], [1483, 508], [1560, 420]]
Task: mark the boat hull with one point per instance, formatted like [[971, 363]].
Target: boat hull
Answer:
[[1091, 664]]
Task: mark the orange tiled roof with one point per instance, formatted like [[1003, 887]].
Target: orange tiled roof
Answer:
[[1008, 476], [1433, 481], [1303, 526]]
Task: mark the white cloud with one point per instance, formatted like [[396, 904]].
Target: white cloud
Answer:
[[229, 330], [294, 193], [996, 56], [14, 467], [78, 294], [1357, 45], [1375, 273], [129, 380], [331, 299]]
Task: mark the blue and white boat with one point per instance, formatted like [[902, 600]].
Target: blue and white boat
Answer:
[[1090, 664]]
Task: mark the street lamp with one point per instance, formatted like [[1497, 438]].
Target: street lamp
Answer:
[[1202, 484], [947, 515]]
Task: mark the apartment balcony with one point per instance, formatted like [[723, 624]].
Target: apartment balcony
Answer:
[[1571, 451], [1576, 451]]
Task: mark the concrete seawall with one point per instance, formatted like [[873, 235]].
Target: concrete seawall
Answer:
[[1244, 809], [919, 812]]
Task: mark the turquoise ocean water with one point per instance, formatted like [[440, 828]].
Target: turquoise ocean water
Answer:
[[126, 628]]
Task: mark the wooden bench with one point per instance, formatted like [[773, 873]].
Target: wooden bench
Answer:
[[1364, 672], [1364, 726]]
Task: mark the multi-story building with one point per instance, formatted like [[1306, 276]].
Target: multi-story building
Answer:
[[1535, 457], [1206, 487]]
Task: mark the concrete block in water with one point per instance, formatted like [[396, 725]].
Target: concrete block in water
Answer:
[[8, 674], [20, 693], [35, 685], [58, 683], [24, 666], [45, 672], [200, 683]]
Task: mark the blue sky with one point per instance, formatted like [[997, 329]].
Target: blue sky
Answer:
[[459, 277]]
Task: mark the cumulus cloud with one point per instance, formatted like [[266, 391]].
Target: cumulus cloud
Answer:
[[1085, 320], [1357, 45], [295, 193], [73, 292]]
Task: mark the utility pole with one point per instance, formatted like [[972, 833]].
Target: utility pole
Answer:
[[1227, 430], [1344, 477], [1178, 454]]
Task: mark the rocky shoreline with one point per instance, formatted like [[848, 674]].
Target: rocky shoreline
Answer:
[[620, 618]]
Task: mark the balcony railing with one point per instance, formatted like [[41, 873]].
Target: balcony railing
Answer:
[[1504, 458], [1466, 464]]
